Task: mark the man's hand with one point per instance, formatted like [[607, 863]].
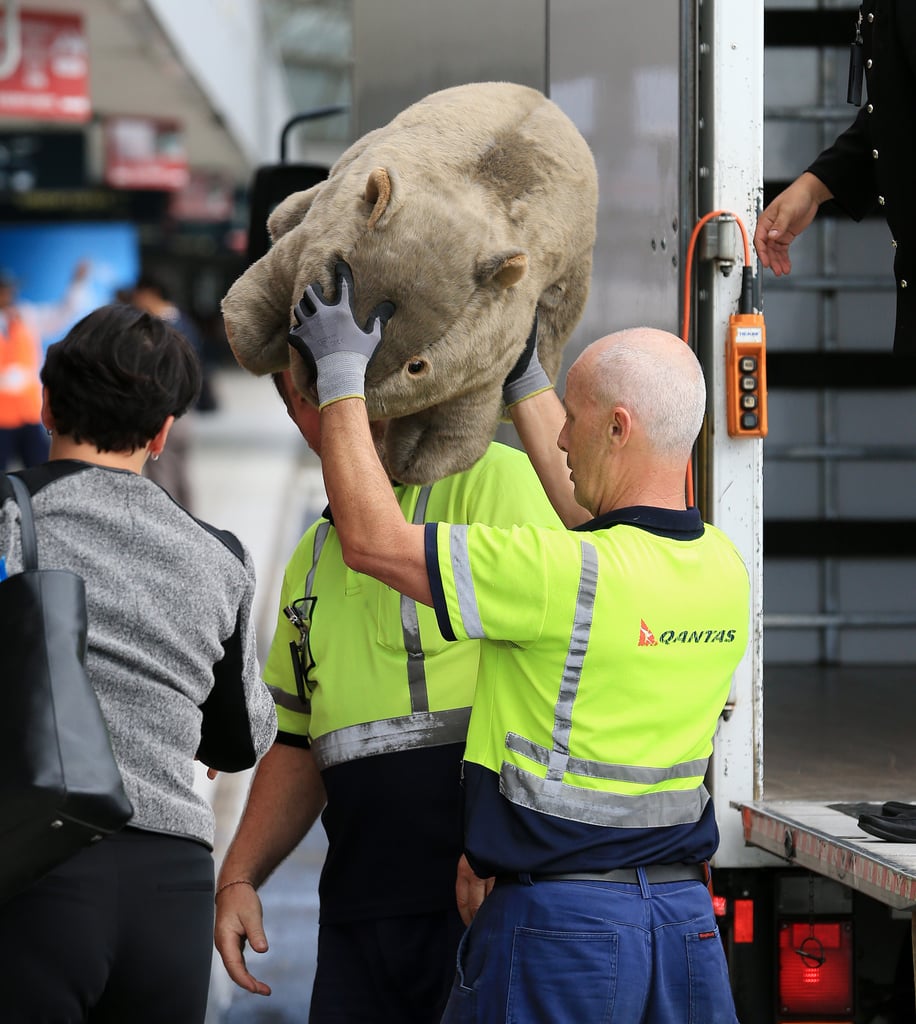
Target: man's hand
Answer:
[[527, 378], [239, 916], [786, 218], [328, 337], [470, 891]]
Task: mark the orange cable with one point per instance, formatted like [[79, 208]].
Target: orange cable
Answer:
[[688, 270]]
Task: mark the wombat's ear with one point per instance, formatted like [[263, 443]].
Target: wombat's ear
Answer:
[[291, 211], [378, 193], [505, 269]]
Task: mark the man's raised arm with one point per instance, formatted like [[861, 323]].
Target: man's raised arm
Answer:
[[374, 536], [538, 416]]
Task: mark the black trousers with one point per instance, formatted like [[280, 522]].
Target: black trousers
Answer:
[[122, 932]]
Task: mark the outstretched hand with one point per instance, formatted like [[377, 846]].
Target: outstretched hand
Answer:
[[328, 337], [785, 219]]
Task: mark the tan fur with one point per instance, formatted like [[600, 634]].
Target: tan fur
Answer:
[[469, 210]]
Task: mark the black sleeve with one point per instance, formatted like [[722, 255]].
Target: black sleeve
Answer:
[[847, 169], [225, 733]]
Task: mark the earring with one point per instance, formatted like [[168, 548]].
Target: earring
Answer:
[[50, 433], [155, 457]]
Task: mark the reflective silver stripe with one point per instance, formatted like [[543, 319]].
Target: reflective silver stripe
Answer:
[[572, 670], [650, 810], [299, 701], [290, 701], [464, 585], [551, 795], [432, 729], [321, 535], [603, 770], [410, 627]]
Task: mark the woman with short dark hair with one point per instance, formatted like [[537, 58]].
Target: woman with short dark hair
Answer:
[[117, 377], [123, 930]]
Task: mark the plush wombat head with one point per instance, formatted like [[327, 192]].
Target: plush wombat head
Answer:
[[469, 211]]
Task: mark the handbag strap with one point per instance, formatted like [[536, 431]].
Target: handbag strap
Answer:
[[26, 522]]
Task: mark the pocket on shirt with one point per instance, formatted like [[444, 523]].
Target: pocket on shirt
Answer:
[[391, 624]]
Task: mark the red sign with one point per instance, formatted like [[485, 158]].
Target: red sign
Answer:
[[51, 79], [145, 153], [207, 198]]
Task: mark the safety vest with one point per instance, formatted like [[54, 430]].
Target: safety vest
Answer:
[[366, 716], [366, 670], [20, 387], [599, 696]]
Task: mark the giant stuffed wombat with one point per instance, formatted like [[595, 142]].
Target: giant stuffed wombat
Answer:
[[470, 210]]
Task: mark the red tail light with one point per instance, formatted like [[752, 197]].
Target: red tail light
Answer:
[[743, 928], [815, 968]]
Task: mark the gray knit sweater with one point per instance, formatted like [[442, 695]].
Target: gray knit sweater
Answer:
[[169, 608]]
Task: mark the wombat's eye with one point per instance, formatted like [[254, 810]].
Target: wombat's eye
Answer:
[[417, 367]]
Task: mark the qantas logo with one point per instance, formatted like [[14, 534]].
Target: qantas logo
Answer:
[[685, 636]]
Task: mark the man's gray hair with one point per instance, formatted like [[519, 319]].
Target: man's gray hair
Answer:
[[667, 396]]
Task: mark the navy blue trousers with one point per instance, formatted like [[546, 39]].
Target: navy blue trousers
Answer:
[[395, 970], [122, 933], [28, 444], [558, 952]]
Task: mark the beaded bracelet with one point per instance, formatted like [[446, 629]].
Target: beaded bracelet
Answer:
[[238, 881]]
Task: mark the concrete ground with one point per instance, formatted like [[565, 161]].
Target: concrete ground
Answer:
[[251, 473]]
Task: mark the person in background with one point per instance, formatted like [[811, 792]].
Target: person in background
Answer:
[[606, 657], [373, 707], [22, 326], [172, 470], [870, 165], [122, 931]]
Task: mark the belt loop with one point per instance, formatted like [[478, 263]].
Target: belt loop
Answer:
[[643, 883], [525, 878]]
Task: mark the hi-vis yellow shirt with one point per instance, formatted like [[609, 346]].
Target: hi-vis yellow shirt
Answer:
[[607, 659], [380, 677]]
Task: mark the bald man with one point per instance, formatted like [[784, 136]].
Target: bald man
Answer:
[[607, 652]]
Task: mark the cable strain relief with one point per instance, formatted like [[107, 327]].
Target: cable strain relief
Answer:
[[746, 302]]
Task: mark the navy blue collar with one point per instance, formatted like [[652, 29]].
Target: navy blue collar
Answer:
[[681, 524]]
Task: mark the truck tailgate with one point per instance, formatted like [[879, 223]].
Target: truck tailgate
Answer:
[[824, 837]]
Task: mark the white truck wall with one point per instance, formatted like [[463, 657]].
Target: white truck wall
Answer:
[[617, 75], [406, 49]]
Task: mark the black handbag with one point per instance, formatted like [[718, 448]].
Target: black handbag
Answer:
[[60, 787]]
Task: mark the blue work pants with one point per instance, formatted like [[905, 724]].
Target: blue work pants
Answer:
[[592, 952]]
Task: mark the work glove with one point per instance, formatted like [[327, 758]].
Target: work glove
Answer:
[[527, 377], [329, 339]]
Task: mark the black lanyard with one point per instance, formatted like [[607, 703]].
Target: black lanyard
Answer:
[[856, 66]]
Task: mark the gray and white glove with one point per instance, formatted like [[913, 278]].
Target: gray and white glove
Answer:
[[328, 337], [527, 378]]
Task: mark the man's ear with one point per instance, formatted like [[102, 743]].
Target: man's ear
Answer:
[[619, 427], [157, 443]]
